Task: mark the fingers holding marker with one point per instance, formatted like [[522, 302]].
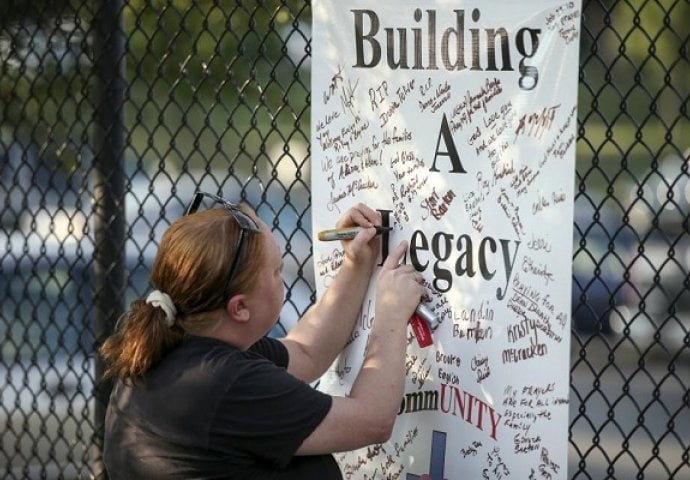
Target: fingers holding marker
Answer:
[[356, 219], [361, 215], [367, 216]]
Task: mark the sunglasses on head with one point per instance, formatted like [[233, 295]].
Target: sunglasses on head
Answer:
[[246, 223]]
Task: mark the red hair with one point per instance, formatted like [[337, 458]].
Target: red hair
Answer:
[[192, 266]]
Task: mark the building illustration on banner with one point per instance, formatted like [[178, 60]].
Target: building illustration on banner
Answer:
[[458, 123]]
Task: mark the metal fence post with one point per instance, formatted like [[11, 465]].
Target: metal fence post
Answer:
[[108, 197]]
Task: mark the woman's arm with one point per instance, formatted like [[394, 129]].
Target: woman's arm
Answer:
[[319, 336], [368, 414]]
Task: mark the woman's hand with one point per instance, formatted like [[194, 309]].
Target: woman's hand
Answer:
[[365, 247], [398, 287]]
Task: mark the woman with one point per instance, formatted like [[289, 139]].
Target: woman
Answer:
[[202, 393]]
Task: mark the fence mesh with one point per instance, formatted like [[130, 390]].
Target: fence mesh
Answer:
[[112, 113]]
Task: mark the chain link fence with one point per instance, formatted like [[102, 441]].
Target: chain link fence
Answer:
[[112, 113]]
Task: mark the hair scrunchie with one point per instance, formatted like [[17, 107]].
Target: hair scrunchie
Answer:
[[163, 301]]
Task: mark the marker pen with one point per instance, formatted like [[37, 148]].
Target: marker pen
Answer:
[[347, 233], [421, 321]]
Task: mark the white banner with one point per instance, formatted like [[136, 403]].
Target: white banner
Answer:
[[457, 120]]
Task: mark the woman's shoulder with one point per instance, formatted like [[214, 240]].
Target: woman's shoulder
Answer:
[[214, 354]]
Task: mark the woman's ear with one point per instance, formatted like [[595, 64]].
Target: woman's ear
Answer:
[[237, 308]]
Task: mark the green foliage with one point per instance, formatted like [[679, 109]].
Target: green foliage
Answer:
[[199, 65], [210, 80], [633, 88], [635, 57], [207, 48], [44, 75]]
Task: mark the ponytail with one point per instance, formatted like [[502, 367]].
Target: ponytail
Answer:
[[191, 267], [141, 340]]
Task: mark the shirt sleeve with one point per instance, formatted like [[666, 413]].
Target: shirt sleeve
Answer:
[[273, 350], [267, 413]]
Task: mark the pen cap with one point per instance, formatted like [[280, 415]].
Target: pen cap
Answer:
[[426, 313]]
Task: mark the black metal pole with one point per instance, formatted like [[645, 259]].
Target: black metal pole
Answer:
[[108, 197]]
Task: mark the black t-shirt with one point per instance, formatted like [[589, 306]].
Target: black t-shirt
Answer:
[[211, 411]]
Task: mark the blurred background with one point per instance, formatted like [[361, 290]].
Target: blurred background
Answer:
[[112, 113]]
